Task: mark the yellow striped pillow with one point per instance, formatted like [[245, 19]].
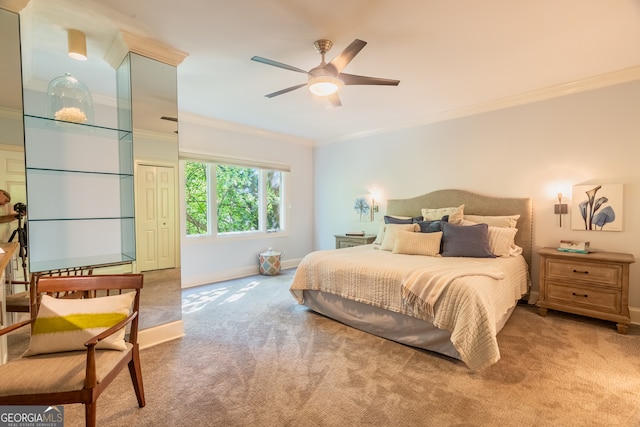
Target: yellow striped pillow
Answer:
[[66, 324]]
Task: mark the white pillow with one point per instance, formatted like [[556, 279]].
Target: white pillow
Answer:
[[455, 214], [410, 243], [501, 241], [66, 324], [390, 232], [380, 235], [494, 221]]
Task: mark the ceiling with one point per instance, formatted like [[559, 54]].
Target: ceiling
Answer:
[[451, 56]]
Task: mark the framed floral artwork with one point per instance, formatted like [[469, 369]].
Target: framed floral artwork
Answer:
[[362, 209], [597, 207]]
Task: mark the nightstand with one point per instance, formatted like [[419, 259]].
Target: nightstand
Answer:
[[344, 241], [594, 284]]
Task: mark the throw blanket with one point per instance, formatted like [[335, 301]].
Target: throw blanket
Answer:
[[423, 286]]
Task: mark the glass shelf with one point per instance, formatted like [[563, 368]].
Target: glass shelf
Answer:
[[73, 147], [37, 122], [100, 260], [79, 171], [80, 194]]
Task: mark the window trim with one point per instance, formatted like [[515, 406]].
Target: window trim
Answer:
[[263, 168]]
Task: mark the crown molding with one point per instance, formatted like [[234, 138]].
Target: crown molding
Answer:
[[156, 136], [13, 5], [125, 42], [211, 122], [591, 83]]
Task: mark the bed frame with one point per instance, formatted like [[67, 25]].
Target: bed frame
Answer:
[[474, 204], [409, 330]]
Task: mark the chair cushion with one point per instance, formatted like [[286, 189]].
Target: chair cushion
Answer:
[[66, 324], [58, 372]]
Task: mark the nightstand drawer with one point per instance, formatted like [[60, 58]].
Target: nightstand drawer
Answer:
[[585, 297], [344, 241], [605, 274]]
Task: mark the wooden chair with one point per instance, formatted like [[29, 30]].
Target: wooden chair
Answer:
[[76, 376], [21, 302]]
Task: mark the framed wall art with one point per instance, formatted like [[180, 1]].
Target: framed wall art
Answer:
[[597, 207]]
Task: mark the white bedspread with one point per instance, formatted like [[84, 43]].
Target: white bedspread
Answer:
[[469, 307]]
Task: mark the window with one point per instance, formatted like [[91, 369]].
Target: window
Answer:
[[246, 199]]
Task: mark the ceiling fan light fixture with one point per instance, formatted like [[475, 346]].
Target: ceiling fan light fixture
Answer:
[[324, 85], [77, 43]]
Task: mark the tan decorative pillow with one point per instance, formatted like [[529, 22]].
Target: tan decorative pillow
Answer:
[[455, 214], [390, 232], [501, 240], [509, 221], [410, 243]]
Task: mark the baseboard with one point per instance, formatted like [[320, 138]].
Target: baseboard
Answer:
[[634, 313], [161, 333], [220, 276]]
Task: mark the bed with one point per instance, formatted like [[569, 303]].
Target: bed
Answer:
[[411, 292]]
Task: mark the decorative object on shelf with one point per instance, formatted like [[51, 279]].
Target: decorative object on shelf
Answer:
[[574, 246], [560, 208], [597, 207], [70, 100], [77, 44]]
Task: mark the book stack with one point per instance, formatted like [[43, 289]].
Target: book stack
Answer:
[[573, 246]]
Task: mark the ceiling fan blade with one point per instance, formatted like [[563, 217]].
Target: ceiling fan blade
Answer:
[[352, 79], [277, 64], [334, 98], [343, 59], [289, 89]]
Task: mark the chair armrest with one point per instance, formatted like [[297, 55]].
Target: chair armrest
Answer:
[[15, 326], [90, 379], [92, 342]]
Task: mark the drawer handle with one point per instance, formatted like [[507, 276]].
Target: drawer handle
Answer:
[[579, 295], [580, 271]]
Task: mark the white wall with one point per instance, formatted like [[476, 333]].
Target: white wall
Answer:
[[211, 259], [526, 151]]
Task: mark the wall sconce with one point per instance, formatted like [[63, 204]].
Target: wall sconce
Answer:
[[374, 207], [77, 42], [560, 208]]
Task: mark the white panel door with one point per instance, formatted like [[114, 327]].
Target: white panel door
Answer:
[[156, 217], [165, 189]]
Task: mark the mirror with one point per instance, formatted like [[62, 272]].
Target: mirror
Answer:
[[12, 173], [154, 112]]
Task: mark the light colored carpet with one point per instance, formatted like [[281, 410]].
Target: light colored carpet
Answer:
[[253, 357]]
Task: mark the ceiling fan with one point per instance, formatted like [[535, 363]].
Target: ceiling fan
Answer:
[[326, 78]]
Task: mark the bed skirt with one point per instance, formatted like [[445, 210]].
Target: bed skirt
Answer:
[[387, 324]]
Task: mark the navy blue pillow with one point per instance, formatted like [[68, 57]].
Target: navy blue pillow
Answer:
[[466, 241], [430, 226], [394, 220]]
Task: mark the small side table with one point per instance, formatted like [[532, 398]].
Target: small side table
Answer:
[[344, 241], [594, 284]]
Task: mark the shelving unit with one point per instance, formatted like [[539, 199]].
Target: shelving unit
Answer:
[[80, 194]]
